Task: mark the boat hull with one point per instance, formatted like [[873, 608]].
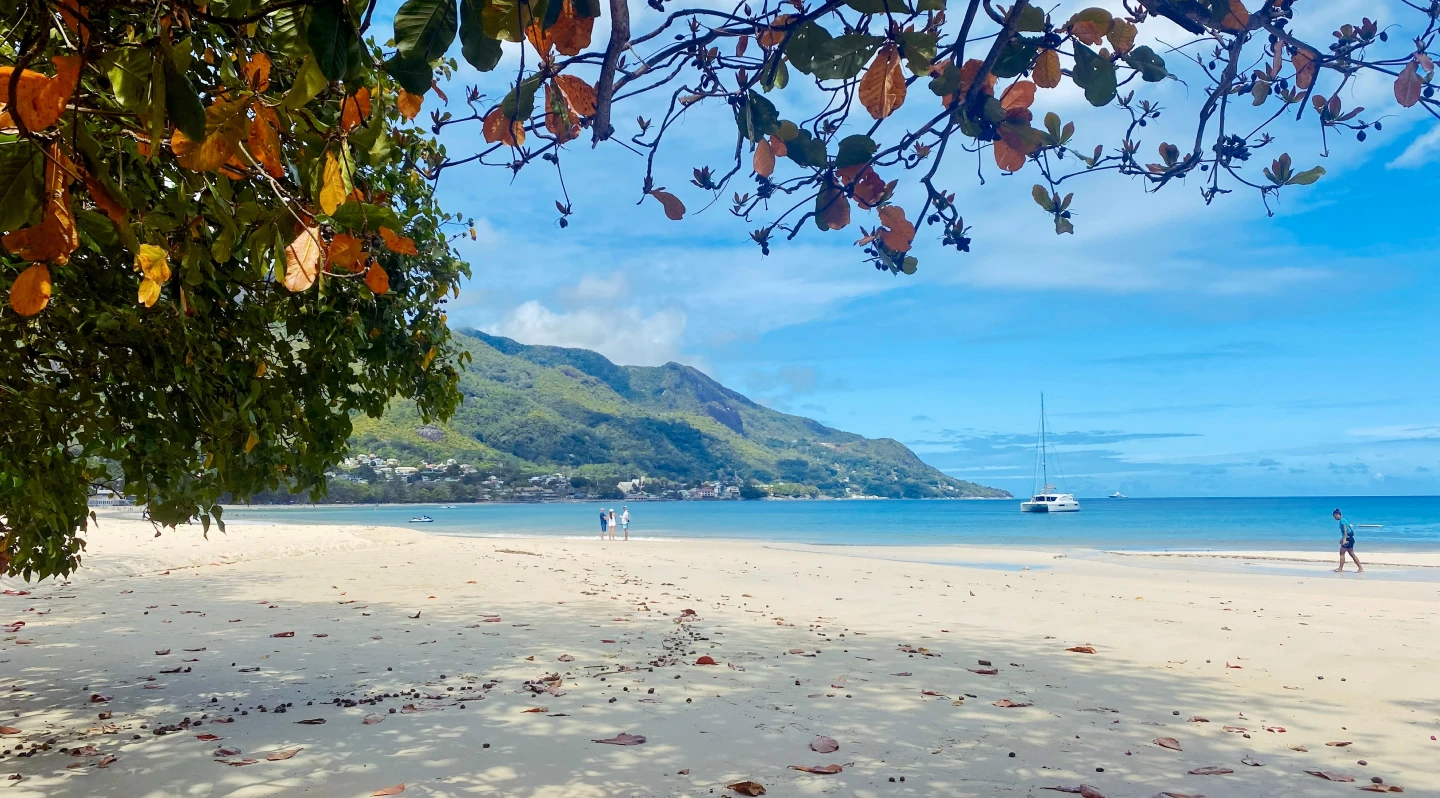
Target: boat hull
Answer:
[[1049, 507]]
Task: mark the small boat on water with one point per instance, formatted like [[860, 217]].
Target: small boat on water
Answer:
[[1047, 499], [422, 519], [1118, 495]]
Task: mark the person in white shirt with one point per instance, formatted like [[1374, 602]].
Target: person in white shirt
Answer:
[[625, 521], [613, 524]]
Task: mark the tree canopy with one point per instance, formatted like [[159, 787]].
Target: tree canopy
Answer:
[[220, 235]]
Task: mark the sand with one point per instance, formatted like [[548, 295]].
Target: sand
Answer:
[[881, 649]]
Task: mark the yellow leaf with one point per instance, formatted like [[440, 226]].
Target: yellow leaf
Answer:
[[153, 262], [409, 104], [39, 100], [1122, 35], [226, 123], [1091, 25], [428, 359], [377, 278], [257, 72], [345, 251], [882, 90], [30, 292], [302, 259], [251, 442], [149, 292], [332, 189], [1047, 69], [397, 243]]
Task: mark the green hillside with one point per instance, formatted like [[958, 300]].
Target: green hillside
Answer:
[[534, 409]]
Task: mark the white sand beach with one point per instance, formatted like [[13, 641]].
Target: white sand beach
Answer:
[[933, 679]]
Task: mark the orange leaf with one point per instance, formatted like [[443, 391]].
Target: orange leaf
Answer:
[[409, 104], [54, 238], [498, 128], [882, 90], [302, 259], [377, 278], [397, 243], [571, 34], [1018, 95], [1047, 69], [226, 123], [280, 756], [822, 769], [1122, 35], [29, 294], [264, 141], [355, 109], [764, 160], [747, 787], [832, 209], [257, 72], [345, 251], [1007, 158], [1305, 67], [396, 790], [40, 100], [1237, 19], [674, 208], [778, 146], [1168, 742], [579, 94], [898, 233], [775, 34], [102, 199], [567, 99]]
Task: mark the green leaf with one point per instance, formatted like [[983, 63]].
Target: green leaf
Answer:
[[425, 29], [1095, 75], [309, 81], [805, 45], [183, 104], [480, 50], [1052, 125], [360, 216], [930, 5], [778, 80], [844, 57], [919, 49], [413, 74], [128, 69], [505, 19], [1063, 225], [329, 36], [1018, 55], [520, 102], [1032, 20], [909, 264], [21, 184], [756, 117], [586, 9], [1150, 66], [1307, 177], [807, 150], [1041, 196], [878, 6], [855, 150], [947, 82], [289, 26]]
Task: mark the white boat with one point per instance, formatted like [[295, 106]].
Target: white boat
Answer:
[[1048, 499], [1118, 495], [422, 519]]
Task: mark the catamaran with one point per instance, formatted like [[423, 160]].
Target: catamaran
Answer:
[[1048, 499]]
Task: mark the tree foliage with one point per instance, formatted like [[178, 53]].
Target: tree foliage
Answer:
[[243, 170], [216, 249]]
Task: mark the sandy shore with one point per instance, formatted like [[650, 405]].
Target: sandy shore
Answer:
[[902, 656]]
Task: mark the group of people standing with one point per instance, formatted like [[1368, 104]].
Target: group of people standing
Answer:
[[608, 522]]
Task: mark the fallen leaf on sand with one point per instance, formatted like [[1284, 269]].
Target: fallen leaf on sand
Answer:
[[9, 730], [1084, 791], [373, 719], [1005, 702], [824, 745], [1302, 749], [88, 750], [1330, 776], [1210, 770], [706, 660], [821, 769], [1198, 719], [1234, 667], [1275, 729], [107, 760], [280, 756], [1082, 649], [929, 692], [222, 753], [984, 671], [202, 648], [1236, 729], [797, 651], [1252, 762], [684, 772], [396, 790], [1168, 794], [235, 763], [747, 787], [1383, 788], [626, 738], [207, 737], [311, 722], [565, 658], [1339, 744], [523, 711], [1167, 742], [903, 673], [283, 634], [162, 652]]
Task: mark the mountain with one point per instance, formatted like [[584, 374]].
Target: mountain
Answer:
[[533, 409]]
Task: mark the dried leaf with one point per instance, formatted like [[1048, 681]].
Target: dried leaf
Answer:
[[279, 756], [209, 738], [882, 89], [747, 788], [40, 100], [302, 259], [832, 208], [1008, 158], [396, 790], [1167, 742], [1018, 95], [984, 671], [1306, 65], [1408, 85], [1236, 18], [29, 295], [1047, 69], [397, 243], [898, 233], [1082, 649], [377, 278], [1341, 744], [1006, 703], [623, 738], [355, 109], [235, 763], [1330, 776], [1210, 770], [107, 760], [822, 769], [498, 128], [570, 34], [824, 745], [674, 208], [263, 141], [1122, 35], [257, 72], [372, 719], [1382, 788], [706, 660], [409, 104], [567, 100], [764, 160], [9, 730], [311, 722]]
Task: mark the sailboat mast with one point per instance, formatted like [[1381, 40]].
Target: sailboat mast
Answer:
[[1044, 466]]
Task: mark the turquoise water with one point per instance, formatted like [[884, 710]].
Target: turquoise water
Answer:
[[1142, 524]]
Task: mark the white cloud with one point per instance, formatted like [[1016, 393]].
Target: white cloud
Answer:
[[623, 334], [1422, 150], [595, 290]]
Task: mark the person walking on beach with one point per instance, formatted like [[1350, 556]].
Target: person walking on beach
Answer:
[[1347, 542], [604, 523], [612, 523], [625, 521]]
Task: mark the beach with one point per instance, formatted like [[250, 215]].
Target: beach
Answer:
[[513, 666]]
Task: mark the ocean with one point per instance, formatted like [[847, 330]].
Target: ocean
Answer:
[[1292, 524]]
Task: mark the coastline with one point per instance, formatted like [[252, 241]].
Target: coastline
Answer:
[[465, 612]]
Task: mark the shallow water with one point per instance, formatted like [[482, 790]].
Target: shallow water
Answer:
[[1303, 523]]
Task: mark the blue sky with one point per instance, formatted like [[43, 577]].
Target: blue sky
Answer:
[[1183, 349]]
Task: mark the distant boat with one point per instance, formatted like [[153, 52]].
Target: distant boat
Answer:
[[1118, 495], [422, 519], [1047, 499]]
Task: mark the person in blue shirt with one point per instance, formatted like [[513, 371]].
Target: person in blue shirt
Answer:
[[604, 523], [1347, 542]]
